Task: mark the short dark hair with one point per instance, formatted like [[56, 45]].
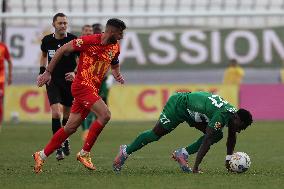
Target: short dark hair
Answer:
[[86, 26], [97, 28], [245, 117], [115, 22], [97, 25], [60, 14], [234, 61]]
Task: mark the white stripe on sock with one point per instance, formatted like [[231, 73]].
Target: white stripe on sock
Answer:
[[42, 155]]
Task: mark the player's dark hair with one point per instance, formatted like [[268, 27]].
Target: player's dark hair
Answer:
[[117, 23], [86, 26], [245, 117], [97, 28], [60, 14], [97, 25], [233, 60]]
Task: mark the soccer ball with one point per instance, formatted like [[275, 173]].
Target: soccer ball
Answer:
[[240, 162]]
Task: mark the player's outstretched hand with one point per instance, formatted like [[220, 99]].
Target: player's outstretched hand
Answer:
[[227, 165], [9, 80], [119, 78], [197, 171], [43, 79], [70, 76]]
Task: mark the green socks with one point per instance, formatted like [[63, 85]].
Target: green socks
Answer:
[[88, 121], [143, 139], [149, 136]]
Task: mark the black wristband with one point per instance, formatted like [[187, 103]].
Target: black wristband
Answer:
[[42, 70]]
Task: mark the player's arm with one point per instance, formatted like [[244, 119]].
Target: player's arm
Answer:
[[42, 62], [115, 69], [46, 76], [10, 68], [70, 76], [204, 148], [231, 142], [43, 56], [8, 58], [67, 48], [77, 61]]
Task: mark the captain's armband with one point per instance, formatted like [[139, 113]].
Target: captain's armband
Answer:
[[114, 62]]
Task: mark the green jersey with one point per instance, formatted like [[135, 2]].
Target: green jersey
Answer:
[[196, 107]]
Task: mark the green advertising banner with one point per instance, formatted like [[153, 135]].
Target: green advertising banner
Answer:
[[195, 48]]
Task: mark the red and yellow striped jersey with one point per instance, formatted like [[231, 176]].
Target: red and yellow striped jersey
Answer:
[[4, 54], [95, 59]]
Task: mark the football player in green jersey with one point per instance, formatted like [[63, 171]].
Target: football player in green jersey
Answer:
[[207, 112]]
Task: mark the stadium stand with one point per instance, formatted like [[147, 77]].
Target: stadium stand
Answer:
[[205, 13]]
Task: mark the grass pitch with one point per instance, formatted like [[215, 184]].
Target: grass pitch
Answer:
[[150, 167]]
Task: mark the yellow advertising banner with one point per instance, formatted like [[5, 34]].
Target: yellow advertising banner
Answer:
[[26, 103], [145, 102], [127, 102]]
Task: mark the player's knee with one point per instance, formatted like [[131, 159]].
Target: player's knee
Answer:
[[70, 130], [105, 117], [56, 114]]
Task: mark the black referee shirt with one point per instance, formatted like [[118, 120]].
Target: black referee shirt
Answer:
[[50, 44]]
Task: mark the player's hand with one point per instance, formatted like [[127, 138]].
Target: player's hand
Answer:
[[70, 76], [196, 171], [43, 79], [119, 78], [9, 80], [227, 165]]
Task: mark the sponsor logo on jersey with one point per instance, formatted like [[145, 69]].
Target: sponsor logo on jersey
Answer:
[[218, 125], [79, 42], [51, 53], [231, 109]]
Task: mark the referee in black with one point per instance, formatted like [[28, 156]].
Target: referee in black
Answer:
[[59, 89]]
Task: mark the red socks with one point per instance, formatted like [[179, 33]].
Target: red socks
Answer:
[[56, 141], [1, 109], [60, 136], [93, 134]]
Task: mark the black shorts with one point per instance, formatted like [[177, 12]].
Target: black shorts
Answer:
[[59, 91]]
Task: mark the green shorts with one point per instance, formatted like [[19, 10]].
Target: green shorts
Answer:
[[104, 91], [173, 113], [86, 124]]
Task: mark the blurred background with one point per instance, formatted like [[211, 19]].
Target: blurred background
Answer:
[[169, 45]]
